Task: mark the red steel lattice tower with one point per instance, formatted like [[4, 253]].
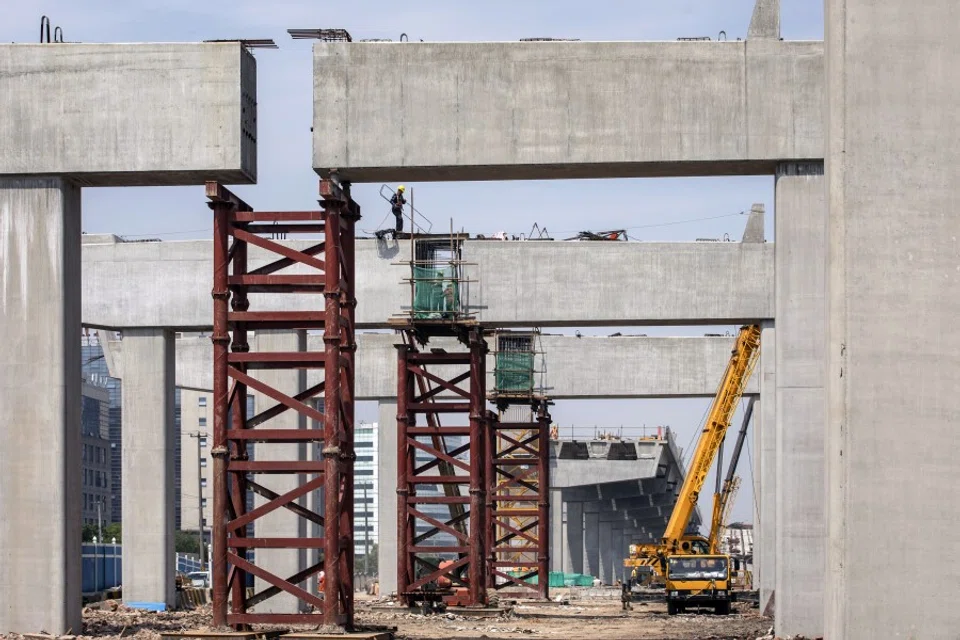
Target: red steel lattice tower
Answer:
[[518, 533], [297, 272], [446, 450]]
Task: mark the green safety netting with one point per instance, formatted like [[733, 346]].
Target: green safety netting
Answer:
[[514, 371], [436, 292], [561, 579]]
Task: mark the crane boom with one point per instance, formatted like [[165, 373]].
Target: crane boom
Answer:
[[743, 359], [722, 497]]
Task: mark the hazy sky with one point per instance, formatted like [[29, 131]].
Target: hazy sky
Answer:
[[653, 209]]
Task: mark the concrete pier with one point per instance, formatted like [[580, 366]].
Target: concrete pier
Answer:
[[573, 527], [765, 417], [105, 115], [281, 523], [40, 491], [148, 470], [800, 353], [387, 498], [893, 297]]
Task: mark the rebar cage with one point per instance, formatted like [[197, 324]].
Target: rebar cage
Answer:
[[290, 271]]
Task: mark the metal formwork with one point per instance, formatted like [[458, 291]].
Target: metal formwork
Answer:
[[445, 450], [298, 272], [518, 532]]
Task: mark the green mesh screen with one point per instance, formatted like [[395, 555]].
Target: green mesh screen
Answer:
[[436, 293], [514, 371]]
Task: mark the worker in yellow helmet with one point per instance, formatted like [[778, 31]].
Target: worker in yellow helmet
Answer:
[[396, 205]]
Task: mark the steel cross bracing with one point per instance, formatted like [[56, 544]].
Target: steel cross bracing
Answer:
[[442, 554], [324, 270], [518, 504]]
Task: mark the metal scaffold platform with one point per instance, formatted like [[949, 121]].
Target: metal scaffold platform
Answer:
[[324, 270]]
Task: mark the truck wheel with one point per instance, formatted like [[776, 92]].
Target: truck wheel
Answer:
[[672, 608], [722, 609]]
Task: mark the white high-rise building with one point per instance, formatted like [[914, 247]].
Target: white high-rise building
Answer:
[[365, 526]]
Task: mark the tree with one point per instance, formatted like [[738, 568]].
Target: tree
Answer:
[[371, 562], [111, 531], [187, 542], [89, 532]]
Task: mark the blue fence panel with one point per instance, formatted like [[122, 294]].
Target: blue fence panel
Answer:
[[102, 566]]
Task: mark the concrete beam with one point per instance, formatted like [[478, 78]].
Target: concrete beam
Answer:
[[521, 110], [129, 114], [40, 470], [800, 352], [148, 470], [167, 284], [893, 296], [577, 368]]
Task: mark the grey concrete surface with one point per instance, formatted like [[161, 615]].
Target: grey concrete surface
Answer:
[[387, 496], [281, 523], [167, 284], [765, 23], [131, 114], [520, 110], [148, 503], [576, 368], [893, 281], [573, 529], [766, 416], [591, 539], [800, 352], [40, 398]]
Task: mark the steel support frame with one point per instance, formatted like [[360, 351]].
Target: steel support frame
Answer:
[[440, 399], [235, 474], [518, 507]]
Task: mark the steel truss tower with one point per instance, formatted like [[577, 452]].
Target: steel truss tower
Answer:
[[323, 271]]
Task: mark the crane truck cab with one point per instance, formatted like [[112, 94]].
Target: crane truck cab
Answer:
[[698, 581]]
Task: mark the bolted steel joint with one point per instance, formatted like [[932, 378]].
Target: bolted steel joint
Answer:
[[330, 452]]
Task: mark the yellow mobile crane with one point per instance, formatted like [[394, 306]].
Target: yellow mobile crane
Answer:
[[651, 563]]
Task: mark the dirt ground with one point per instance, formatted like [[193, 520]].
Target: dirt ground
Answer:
[[579, 620]]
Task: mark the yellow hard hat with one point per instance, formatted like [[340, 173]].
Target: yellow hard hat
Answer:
[[401, 188]]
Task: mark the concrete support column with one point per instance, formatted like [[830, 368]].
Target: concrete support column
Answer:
[[800, 353], [148, 468], [893, 282], [620, 550], [766, 417], [281, 523], [557, 539], [387, 497], [591, 541], [40, 473], [573, 538], [606, 553]]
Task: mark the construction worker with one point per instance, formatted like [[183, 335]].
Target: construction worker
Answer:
[[396, 205]]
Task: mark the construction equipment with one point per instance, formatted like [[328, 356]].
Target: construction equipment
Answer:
[[651, 564]]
